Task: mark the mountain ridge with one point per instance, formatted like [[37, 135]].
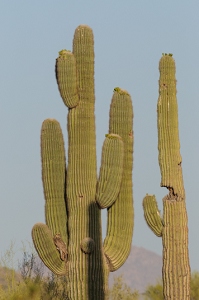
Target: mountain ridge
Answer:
[[142, 268]]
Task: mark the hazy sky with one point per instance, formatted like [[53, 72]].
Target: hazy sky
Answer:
[[130, 37]]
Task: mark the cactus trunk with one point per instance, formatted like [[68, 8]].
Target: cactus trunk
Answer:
[[70, 242], [173, 227], [176, 270]]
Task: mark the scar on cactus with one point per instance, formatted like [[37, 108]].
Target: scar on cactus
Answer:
[[70, 243], [61, 246]]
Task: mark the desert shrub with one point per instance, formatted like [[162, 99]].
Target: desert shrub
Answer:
[[34, 273], [155, 292], [33, 281], [121, 291], [195, 285]]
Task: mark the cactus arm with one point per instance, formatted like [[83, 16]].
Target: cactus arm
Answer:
[[111, 171], [117, 243], [46, 248], [65, 70], [54, 177], [152, 215]]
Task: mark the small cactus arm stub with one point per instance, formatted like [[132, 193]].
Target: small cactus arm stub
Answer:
[[173, 227], [70, 243]]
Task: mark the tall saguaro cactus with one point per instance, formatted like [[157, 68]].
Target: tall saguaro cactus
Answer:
[[70, 243], [173, 226]]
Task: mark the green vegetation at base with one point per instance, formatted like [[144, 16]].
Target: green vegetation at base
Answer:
[[31, 282], [121, 291], [155, 292]]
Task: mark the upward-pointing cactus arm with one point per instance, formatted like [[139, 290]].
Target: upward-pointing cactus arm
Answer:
[[54, 177], [44, 244], [111, 171], [152, 215], [66, 75], [118, 240]]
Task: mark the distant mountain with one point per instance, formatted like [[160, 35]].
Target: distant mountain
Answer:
[[143, 267]]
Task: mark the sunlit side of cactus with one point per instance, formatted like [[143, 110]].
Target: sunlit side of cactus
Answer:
[[173, 227], [70, 243]]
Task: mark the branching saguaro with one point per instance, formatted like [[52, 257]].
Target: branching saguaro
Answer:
[[173, 227], [70, 243]]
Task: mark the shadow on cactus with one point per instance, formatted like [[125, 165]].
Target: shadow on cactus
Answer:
[[70, 243], [173, 227]]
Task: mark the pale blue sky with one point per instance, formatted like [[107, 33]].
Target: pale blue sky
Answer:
[[130, 37]]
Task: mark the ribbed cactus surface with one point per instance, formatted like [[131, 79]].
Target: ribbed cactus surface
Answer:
[[172, 227], [70, 243]]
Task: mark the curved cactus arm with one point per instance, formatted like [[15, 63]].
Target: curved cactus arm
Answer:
[[117, 243], [111, 171], [66, 76], [46, 249], [54, 177], [152, 214]]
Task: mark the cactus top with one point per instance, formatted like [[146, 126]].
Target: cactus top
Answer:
[[120, 91], [63, 52]]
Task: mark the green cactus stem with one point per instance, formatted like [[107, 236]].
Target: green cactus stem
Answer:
[[120, 214], [43, 241], [152, 215], [67, 78], [111, 171], [173, 227], [70, 242]]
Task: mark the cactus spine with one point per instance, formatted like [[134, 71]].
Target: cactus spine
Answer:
[[173, 227], [70, 243]]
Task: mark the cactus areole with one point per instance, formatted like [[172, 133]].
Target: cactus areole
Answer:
[[70, 243], [173, 227]]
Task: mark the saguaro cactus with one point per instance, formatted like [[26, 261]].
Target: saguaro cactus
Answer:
[[70, 243], [173, 226]]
